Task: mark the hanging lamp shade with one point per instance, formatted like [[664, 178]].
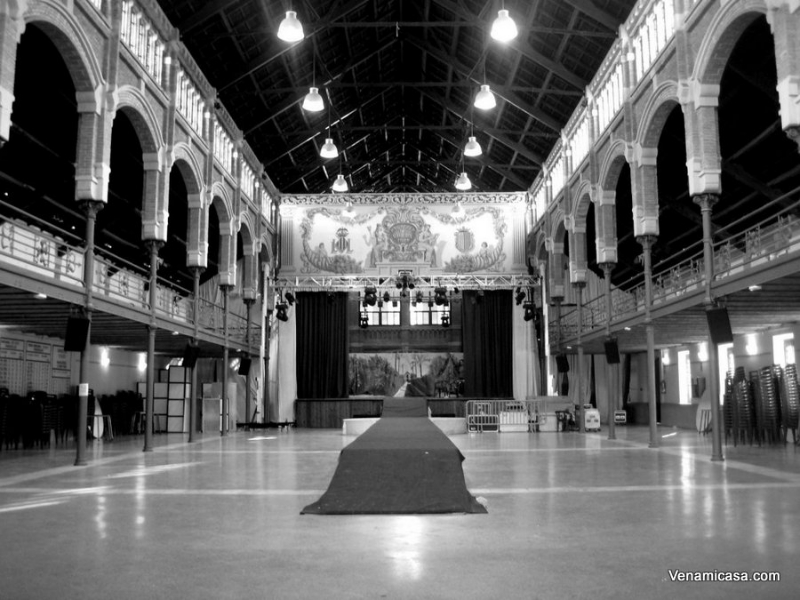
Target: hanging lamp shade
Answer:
[[340, 184], [485, 99], [473, 148], [463, 182], [329, 149], [313, 101], [291, 30], [504, 29]]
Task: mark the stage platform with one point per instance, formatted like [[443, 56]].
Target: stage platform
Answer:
[[448, 425]]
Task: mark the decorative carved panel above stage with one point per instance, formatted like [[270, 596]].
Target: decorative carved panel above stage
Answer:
[[422, 235]]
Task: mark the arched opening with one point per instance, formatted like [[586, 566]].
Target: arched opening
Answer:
[[119, 224], [174, 251], [759, 163], [212, 266], [37, 165], [628, 249]]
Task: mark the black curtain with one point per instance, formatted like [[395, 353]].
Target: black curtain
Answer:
[[322, 345], [487, 335]]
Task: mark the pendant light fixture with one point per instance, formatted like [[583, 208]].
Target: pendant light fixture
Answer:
[[313, 102], [462, 182], [329, 149], [340, 184], [473, 148], [485, 99], [291, 29], [504, 29]]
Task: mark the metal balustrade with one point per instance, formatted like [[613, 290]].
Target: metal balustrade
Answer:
[[28, 248], [773, 238]]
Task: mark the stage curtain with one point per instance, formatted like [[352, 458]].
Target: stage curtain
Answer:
[[322, 345], [487, 334], [526, 359]]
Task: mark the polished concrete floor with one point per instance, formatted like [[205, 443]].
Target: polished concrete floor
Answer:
[[570, 516]]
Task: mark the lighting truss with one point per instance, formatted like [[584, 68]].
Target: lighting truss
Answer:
[[357, 283]]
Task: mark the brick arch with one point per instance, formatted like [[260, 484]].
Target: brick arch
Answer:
[[724, 31], [265, 244], [657, 109], [612, 165], [134, 105], [221, 202], [581, 200], [246, 231], [188, 165], [73, 44]]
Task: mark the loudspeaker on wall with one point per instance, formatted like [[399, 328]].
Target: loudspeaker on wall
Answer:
[[75, 336], [612, 351], [244, 366], [719, 326], [190, 355]]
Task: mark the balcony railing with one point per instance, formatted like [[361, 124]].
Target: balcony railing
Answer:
[[59, 257], [746, 251]]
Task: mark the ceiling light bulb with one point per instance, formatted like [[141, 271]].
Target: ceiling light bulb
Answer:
[[463, 182], [473, 148], [340, 185], [291, 30], [313, 101], [485, 98], [504, 29], [329, 149]]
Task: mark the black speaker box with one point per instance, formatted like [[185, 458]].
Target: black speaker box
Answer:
[[562, 364], [244, 366], [612, 351], [190, 355], [75, 337], [719, 326]]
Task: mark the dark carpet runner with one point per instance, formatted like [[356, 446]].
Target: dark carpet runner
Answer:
[[404, 464]]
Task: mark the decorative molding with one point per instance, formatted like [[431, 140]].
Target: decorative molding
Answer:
[[402, 199]]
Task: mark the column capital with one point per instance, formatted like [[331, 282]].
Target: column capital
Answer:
[[579, 285], [646, 241], [705, 201], [226, 287], [154, 245], [197, 270], [91, 207], [607, 266]]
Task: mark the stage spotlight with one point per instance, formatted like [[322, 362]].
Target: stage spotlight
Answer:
[[363, 321], [445, 320], [420, 297], [440, 295], [290, 298], [528, 308], [282, 312], [386, 296], [520, 296], [370, 295], [455, 290]]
